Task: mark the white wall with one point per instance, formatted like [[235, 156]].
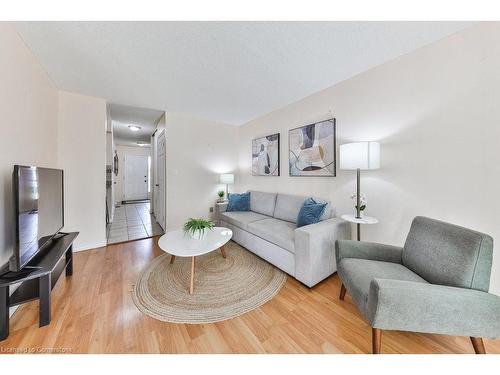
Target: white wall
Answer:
[[28, 122], [197, 152], [82, 155], [122, 151], [436, 114]]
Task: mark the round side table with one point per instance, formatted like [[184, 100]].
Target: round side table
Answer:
[[358, 222]]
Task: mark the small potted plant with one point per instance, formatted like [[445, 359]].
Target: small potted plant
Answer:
[[362, 204], [221, 194], [197, 228]]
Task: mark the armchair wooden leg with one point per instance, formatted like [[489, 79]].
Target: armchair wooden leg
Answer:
[[477, 343], [376, 340], [342, 291]]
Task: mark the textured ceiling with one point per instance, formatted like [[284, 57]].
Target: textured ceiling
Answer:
[[230, 72]]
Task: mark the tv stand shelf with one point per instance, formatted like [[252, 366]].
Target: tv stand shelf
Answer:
[[38, 283]]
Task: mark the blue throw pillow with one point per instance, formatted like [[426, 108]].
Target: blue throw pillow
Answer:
[[238, 202], [310, 212]]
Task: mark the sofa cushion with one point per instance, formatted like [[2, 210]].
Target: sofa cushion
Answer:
[[310, 213], [238, 202], [241, 219], [288, 207], [278, 232], [357, 274], [329, 210], [262, 203], [447, 254]]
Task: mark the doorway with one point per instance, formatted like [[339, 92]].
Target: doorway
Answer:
[[136, 177], [133, 164]]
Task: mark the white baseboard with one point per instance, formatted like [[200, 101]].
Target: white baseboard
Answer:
[[12, 310], [12, 289]]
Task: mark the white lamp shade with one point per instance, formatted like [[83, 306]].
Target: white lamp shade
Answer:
[[360, 155], [227, 178]]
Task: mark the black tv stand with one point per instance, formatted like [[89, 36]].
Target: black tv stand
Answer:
[[40, 277], [16, 274]]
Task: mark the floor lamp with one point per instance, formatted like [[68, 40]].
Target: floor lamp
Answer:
[[358, 156], [227, 179]]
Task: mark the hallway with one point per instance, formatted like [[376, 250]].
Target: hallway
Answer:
[[132, 221]]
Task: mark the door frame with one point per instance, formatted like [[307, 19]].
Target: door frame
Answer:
[[155, 191]]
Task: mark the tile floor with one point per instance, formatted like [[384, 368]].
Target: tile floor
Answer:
[[131, 222]]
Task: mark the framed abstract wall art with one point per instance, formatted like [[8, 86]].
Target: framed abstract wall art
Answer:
[[312, 150], [266, 156]]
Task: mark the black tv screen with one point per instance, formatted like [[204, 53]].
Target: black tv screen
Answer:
[[39, 211]]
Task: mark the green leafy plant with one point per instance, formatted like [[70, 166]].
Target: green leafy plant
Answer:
[[197, 227], [221, 194]]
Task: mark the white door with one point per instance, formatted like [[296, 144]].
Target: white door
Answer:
[[135, 177], [160, 181]]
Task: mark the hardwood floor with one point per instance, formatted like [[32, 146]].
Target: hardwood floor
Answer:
[[93, 312]]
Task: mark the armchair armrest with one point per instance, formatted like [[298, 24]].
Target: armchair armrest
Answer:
[[367, 250], [315, 249], [431, 308]]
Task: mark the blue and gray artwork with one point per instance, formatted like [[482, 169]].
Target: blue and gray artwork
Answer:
[[312, 150], [266, 156]]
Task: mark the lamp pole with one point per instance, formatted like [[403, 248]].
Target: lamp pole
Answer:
[[357, 156], [358, 193], [358, 203]]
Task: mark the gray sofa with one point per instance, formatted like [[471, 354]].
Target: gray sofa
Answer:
[[437, 283], [270, 231]]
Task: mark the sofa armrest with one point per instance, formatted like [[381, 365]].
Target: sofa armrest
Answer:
[[431, 308], [220, 207], [367, 250], [315, 249]]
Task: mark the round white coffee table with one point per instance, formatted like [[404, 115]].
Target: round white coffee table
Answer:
[[179, 244]]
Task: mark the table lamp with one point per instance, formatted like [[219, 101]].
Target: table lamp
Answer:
[[227, 178], [358, 156]]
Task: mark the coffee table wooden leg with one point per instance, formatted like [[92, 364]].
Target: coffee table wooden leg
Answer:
[[223, 251], [172, 258], [191, 286]]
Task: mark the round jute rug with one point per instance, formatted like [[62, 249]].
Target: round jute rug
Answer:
[[223, 288]]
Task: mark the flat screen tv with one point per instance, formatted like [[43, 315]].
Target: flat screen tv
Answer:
[[39, 211]]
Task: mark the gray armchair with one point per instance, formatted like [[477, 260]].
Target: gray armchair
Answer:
[[437, 283]]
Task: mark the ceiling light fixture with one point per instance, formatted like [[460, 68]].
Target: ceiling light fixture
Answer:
[[142, 144], [134, 128]]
